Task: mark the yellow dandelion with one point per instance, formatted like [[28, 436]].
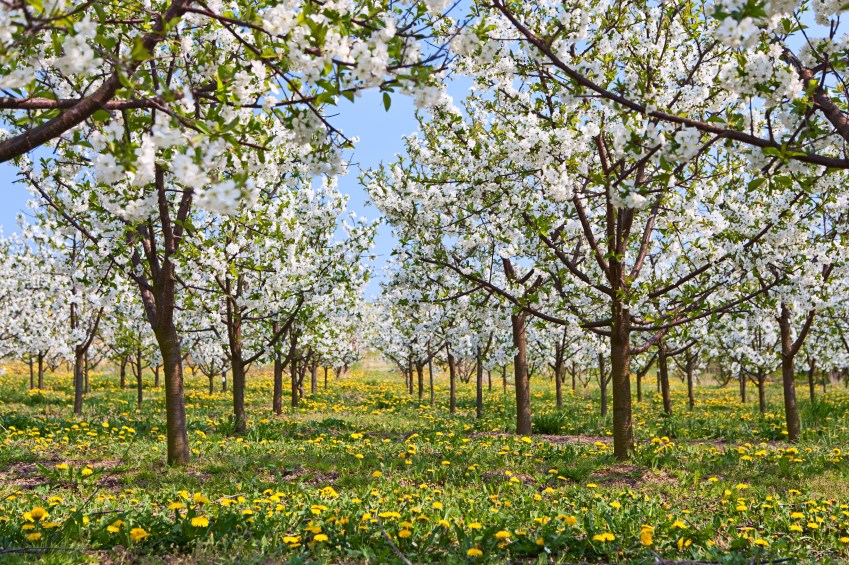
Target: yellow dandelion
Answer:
[[138, 534], [200, 521]]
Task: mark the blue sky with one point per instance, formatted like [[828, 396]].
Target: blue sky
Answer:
[[381, 135]]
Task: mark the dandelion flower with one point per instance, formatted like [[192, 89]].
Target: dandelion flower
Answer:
[[138, 534], [200, 521], [474, 552]]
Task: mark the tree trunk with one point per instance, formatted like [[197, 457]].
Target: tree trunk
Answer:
[[620, 361], [639, 386], [277, 396], [41, 371], [123, 373], [139, 380], [689, 369], [812, 365], [293, 377], [79, 379], [430, 378], [602, 384], [325, 377], [788, 355], [410, 372], [742, 388], [452, 383], [521, 380], [175, 408], [211, 377], [663, 375], [479, 386], [85, 371], [504, 379], [558, 377], [314, 377], [240, 422], [420, 375], [31, 374]]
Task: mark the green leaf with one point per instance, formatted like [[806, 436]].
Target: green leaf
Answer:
[[387, 101]]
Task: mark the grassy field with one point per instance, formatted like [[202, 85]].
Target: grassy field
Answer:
[[361, 473]]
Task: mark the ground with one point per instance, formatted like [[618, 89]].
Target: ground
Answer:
[[363, 473]]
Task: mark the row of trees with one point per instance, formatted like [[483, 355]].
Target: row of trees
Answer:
[[629, 169], [638, 173]]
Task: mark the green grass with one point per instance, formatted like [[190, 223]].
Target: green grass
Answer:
[[362, 473]]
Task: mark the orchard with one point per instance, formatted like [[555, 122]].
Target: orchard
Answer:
[[597, 309]]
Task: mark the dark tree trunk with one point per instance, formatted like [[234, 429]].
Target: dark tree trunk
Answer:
[[156, 376], [240, 422], [211, 377], [620, 361], [762, 392], [277, 396], [420, 376], [85, 371], [742, 388], [452, 383], [788, 355], [602, 384], [558, 375], [489, 379], [139, 380], [479, 386], [175, 409], [430, 378], [521, 380], [689, 369], [325, 377], [293, 376], [41, 371], [663, 375], [410, 372], [812, 366], [314, 377], [574, 373], [504, 379], [31, 375], [79, 380]]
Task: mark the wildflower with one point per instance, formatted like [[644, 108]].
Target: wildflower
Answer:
[[605, 537], [86, 472], [176, 506], [200, 521], [320, 537], [503, 534], [437, 505], [138, 534], [405, 533], [474, 552], [115, 527], [682, 543], [645, 534], [475, 526], [198, 498], [761, 542], [35, 536], [62, 467], [36, 514]]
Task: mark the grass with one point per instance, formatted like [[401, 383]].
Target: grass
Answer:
[[362, 473]]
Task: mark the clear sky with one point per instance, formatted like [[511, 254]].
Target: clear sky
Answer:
[[381, 135]]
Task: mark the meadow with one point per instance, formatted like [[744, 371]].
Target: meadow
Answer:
[[363, 473]]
